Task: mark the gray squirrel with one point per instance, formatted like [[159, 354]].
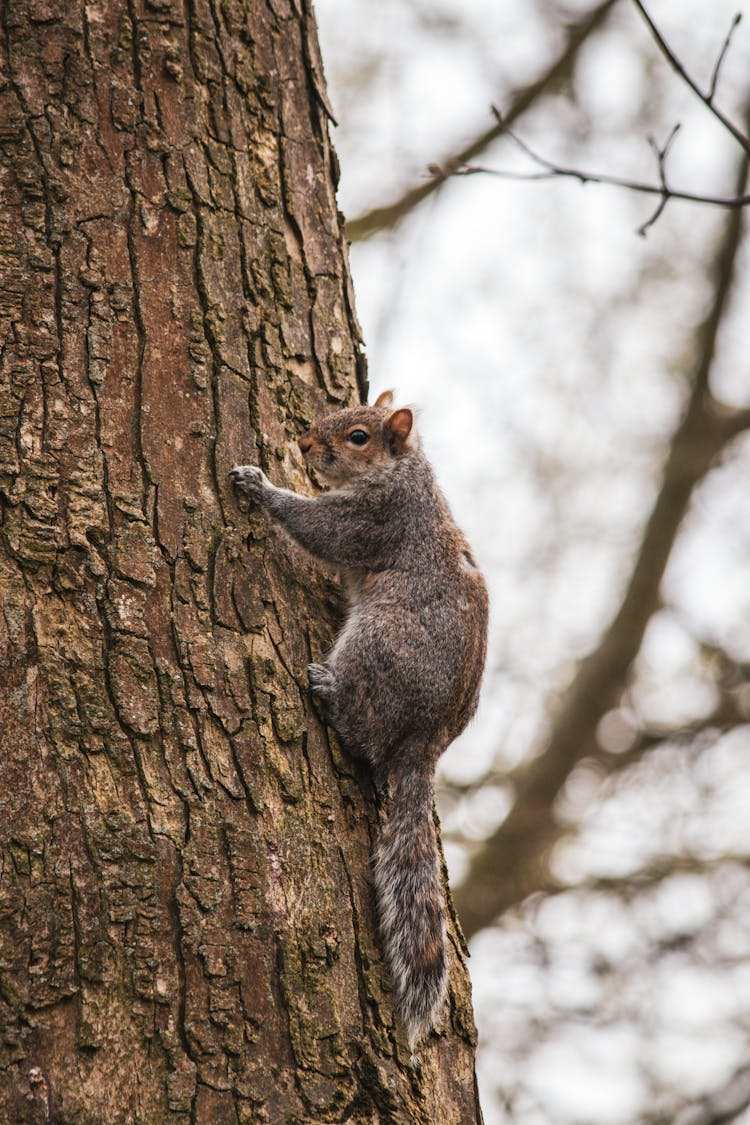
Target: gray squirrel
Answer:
[[403, 677]]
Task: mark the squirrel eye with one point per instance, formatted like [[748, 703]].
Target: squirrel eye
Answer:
[[358, 437]]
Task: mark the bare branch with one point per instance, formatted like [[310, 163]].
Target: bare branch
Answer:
[[551, 170], [513, 862], [730, 712], [661, 158], [738, 422], [722, 55], [676, 65], [461, 162], [385, 218]]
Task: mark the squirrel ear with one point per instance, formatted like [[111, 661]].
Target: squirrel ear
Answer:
[[385, 398], [397, 428]]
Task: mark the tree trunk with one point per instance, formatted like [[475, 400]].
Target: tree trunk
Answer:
[[186, 919]]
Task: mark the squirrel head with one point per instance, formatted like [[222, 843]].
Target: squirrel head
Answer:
[[350, 442]]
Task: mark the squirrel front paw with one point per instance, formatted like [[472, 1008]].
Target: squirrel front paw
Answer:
[[249, 479], [322, 680]]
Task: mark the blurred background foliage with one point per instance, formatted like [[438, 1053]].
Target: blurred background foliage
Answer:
[[585, 395]]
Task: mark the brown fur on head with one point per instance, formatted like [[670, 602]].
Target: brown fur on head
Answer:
[[350, 442]]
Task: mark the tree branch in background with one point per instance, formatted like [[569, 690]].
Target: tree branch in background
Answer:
[[657, 871], [720, 1108], [737, 19], [551, 171], [661, 158], [461, 163], [385, 218], [707, 99], [732, 710], [513, 861]]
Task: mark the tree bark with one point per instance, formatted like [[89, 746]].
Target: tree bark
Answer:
[[186, 924]]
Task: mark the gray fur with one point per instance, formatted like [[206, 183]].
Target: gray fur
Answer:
[[402, 679]]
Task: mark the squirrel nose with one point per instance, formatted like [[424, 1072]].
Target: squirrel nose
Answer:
[[305, 444]]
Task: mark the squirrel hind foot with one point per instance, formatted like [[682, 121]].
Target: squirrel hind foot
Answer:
[[322, 679]]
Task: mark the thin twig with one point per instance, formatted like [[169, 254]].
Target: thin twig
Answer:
[[550, 171], [728, 201], [722, 53], [676, 65], [661, 158]]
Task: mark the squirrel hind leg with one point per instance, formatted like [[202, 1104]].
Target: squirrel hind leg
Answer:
[[325, 686], [322, 679], [349, 710]]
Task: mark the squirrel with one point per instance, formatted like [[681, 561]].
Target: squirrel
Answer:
[[403, 677]]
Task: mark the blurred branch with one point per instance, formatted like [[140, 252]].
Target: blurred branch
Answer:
[[707, 99], [513, 861], [728, 715], [654, 873], [720, 1108], [731, 711], [730, 677], [737, 422], [385, 218]]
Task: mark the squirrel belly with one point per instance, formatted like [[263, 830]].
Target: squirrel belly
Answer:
[[403, 677]]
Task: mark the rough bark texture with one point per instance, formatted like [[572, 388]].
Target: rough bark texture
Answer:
[[186, 927]]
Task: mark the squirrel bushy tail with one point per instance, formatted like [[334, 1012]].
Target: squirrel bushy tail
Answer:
[[410, 897]]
